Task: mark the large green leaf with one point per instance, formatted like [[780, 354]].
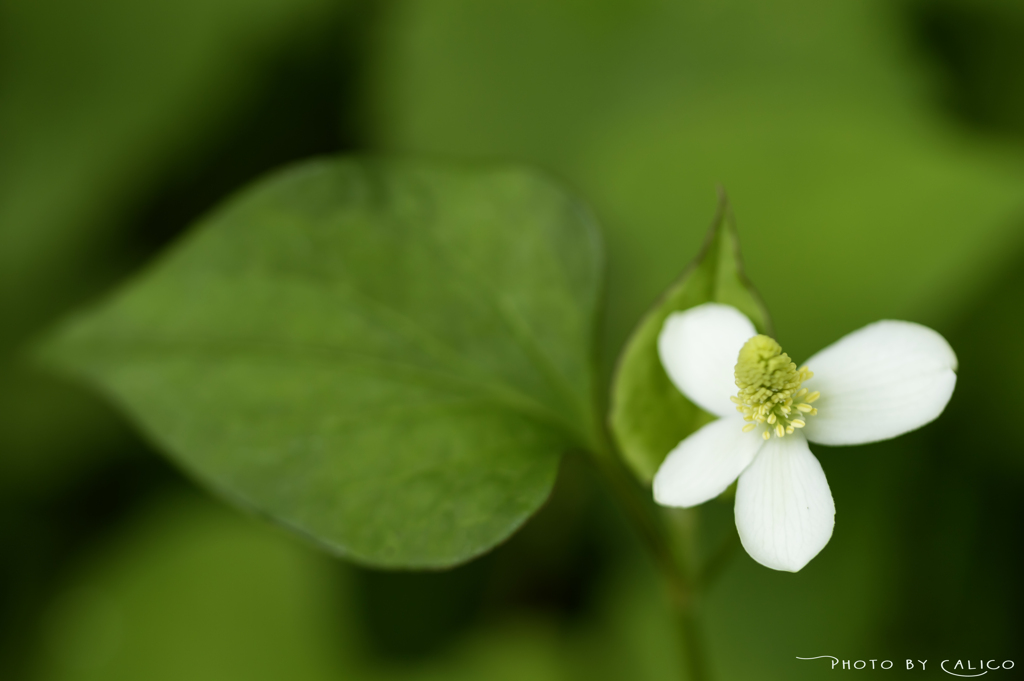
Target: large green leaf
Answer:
[[649, 416], [386, 356]]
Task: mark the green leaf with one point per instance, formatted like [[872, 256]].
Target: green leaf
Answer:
[[649, 416], [386, 356]]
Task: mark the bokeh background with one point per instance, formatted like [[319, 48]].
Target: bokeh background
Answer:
[[874, 154]]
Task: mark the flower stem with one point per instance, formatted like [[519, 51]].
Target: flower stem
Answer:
[[670, 554], [695, 660]]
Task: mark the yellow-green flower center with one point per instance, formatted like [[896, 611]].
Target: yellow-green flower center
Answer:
[[770, 392]]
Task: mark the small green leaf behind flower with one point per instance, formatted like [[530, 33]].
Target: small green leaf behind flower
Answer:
[[386, 356], [649, 416]]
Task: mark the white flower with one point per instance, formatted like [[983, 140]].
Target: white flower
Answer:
[[881, 381]]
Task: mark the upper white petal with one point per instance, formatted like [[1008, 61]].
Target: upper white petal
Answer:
[[878, 382], [699, 348], [784, 508], [703, 465]]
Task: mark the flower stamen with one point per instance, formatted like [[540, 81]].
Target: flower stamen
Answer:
[[769, 383]]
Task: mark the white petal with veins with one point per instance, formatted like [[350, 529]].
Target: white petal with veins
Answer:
[[881, 381], [703, 465], [699, 347], [784, 508]]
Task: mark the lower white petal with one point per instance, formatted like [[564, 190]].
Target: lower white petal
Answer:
[[699, 348], [703, 465], [881, 381], [784, 508]]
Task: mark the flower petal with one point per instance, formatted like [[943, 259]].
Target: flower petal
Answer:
[[784, 508], [881, 381], [703, 465], [699, 347]]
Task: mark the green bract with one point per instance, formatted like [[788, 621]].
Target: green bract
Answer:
[[649, 416], [386, 356]]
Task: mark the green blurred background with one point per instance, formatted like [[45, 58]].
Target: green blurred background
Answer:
[[874, 154]]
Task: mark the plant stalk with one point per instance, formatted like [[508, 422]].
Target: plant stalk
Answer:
[[668, 554]]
